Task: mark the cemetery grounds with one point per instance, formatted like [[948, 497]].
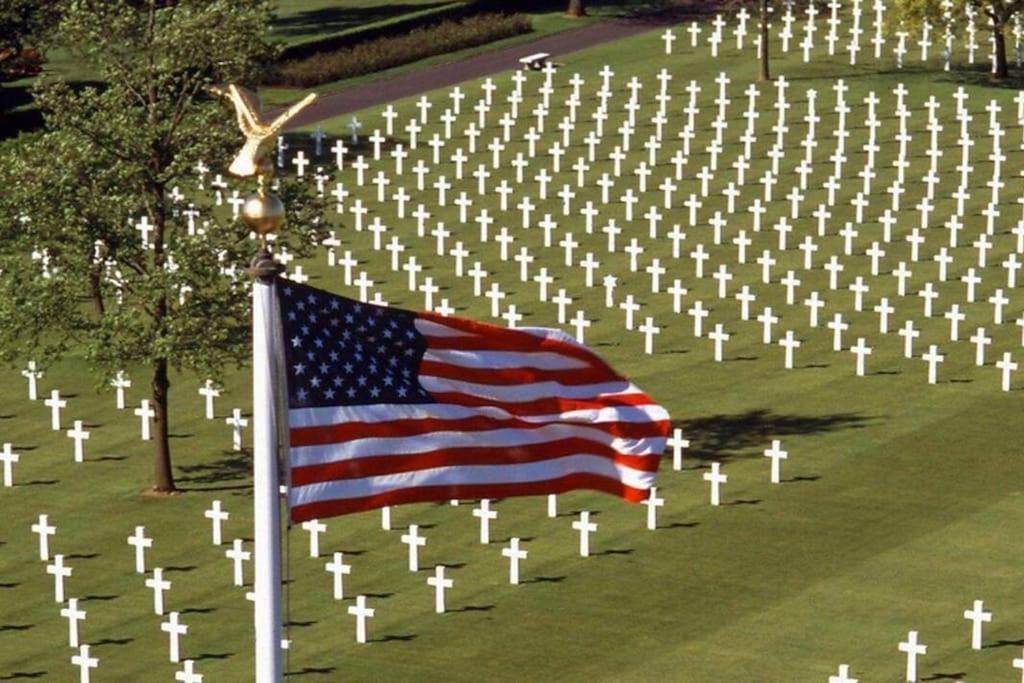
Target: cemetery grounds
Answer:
[[899, 504]]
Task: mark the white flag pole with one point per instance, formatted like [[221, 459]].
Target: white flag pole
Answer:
[[266, 495]]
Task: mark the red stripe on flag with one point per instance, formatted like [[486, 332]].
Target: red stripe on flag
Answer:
[[350, 431], [426, 494], [544, 406], [493, 338], [506, 376], [373, 466]]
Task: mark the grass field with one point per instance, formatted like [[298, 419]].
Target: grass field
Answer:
[[299, 21], [897, 509]]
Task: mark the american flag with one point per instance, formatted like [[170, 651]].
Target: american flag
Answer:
[[387, 406]]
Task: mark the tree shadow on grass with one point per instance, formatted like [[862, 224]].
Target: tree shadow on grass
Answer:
[[231, 465], [394, 638], [720, 438], [319, 670], [946, 677], [214, 655], [18, 675], [335, 19]]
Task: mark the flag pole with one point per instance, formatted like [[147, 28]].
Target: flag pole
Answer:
[[263, 213], [266, 493]]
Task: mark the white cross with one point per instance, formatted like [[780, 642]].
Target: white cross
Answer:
[[8, 457], [1007, 365], [843, 676], [669, 38], [361, 612], [216, 517], [385, 518], [486, 514], [980, 341], [158, 584], [300, 162], [653, 503], [237, 423], [777, 455], [55, 403], [933, 358], [913, 650], [144, 227], [790, 343], [649, 330], [32, 375], [719, 336], [239, 557], [120, 383], [44, 531], [145, 414], [209, 392], [861, 350], [585, 527], [1018, 663], [440, 584], [140, 542], [174, 629], [414, 541], [678, 443], [514, 555], [338, 569], [188, 673], [716, 478], [315, 527], [977, 616], [73, 615], [84, 663], [552, 505], [80, 436], [59, 573]]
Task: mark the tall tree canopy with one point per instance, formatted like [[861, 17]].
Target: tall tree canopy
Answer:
[[76, 274], [910, 15]]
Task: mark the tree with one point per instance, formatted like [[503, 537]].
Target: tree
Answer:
[[23, 24], [765, 74], [111, 156], [910, 15], [576, 9]]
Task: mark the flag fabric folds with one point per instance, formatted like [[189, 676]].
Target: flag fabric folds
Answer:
[[387, 406]]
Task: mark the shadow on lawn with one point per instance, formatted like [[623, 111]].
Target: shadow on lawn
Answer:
[[721, 438], [18, 675], [231, 465], [334, 19]]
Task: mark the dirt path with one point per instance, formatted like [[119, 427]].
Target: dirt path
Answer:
[[442, 75]]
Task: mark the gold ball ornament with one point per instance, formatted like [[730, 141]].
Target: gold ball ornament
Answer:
[[263, 213]]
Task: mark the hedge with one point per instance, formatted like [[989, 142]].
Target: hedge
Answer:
[[384, 53]]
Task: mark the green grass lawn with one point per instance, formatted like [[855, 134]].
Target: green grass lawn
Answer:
[[299, 21], [898, 503]]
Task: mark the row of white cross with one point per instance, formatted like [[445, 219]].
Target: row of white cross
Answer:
[[999, 300]]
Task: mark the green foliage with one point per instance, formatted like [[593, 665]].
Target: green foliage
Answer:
[[110, 156], [385, 53], [24, 24]]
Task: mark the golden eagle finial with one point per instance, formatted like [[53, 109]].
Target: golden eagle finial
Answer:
[[259, 134]]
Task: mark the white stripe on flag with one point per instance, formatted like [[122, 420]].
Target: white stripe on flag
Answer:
[[471, 474]]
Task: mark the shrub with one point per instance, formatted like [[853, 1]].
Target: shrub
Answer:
[[384, 53]]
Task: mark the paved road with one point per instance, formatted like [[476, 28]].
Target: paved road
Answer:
[[442, 75]]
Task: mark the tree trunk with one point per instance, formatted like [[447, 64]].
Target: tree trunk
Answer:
[[1002, 71], [576, 9], [95, 288], [163, 476], [765, 72]]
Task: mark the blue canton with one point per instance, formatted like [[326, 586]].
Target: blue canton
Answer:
[[342, 352]]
